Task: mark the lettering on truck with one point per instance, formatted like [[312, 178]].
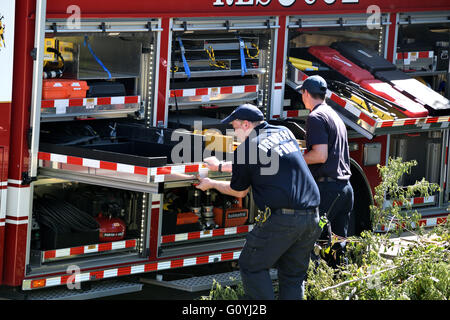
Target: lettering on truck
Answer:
[[284, 3]]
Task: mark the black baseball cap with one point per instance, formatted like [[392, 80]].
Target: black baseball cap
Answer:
[[245, 112], [314, 84]]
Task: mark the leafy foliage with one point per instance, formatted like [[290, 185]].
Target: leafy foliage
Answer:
[[386, 215], [218, 292], [417, 271]]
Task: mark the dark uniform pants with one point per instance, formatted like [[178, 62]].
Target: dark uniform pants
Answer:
[[339, 216], [285, 242]]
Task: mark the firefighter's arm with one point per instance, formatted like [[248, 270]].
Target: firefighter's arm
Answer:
[[318, 154], [221, 186], [212, 163]]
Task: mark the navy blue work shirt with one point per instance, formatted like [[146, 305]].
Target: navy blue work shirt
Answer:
[[270, 161], [324, 126]]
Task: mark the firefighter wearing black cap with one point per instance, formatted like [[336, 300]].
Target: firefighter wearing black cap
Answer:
[[328, 156], [287, 197]]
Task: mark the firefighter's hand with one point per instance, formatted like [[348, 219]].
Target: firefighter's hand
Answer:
[[212, 163], [204, 183]]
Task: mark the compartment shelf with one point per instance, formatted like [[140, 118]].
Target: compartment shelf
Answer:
[[77, 252], [180, 237], [89, 106], [213, 94]]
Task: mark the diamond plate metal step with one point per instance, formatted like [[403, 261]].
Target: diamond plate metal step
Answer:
[[97, 290], [195, 284]]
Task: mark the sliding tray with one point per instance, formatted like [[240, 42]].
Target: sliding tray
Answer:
[[362, 121], [142, 160], [101, 107], [194, 93], [436, 104]]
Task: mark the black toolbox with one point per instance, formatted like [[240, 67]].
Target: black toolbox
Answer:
[[364, 57], [106, 89]]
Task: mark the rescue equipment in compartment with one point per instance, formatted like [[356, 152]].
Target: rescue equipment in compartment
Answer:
[[56, 53], [305, 65], [185, 64], [231, 213], [241, 52], [111, 229], [62, 225], [214, 62], [63, 89], [362, 101]]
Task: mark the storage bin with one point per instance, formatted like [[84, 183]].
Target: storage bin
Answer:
[[63, 89]]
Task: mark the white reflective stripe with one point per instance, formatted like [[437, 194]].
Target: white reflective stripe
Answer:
[[118, 245], [190, 262], [110, 273], [19, 182], [62, 253], [91, 248], [126, 168], [117, 100], [53, 282], [91, 163], [159, 178], [215, 258], [16, 222], [432, 222], [82, 277], [230, 230], [178, 169], [163, 265], [62, 103], [206, 234], [189, 92], [181, 237], [239, 89], [353, 109], [2, 224], [58, 158], [153, 171], [137, 269], [236, 254]]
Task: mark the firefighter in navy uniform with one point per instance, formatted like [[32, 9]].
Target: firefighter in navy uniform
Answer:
[[287, 197], [328, 158]]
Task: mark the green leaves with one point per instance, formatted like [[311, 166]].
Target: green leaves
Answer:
[[419, 272], [397, 211]]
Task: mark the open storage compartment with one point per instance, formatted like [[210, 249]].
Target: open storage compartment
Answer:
[[217, 65], [194, 220], [86, 225]]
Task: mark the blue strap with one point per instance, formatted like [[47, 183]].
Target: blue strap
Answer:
[[241, 50], [185, 64], [95, 57]]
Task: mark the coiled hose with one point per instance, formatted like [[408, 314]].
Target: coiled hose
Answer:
[[62, 217]]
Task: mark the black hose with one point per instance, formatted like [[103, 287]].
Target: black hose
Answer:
[[62, 217]]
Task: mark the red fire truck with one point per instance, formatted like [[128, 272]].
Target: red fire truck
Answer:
[[94, 92]]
